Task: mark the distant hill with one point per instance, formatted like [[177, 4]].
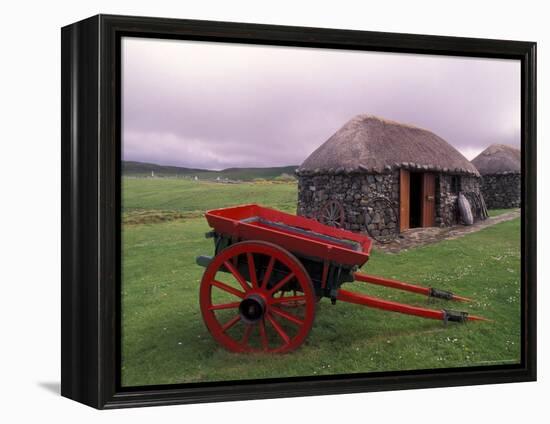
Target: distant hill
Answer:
[[143, 169]]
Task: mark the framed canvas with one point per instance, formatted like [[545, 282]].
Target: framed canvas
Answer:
[[254, 211]]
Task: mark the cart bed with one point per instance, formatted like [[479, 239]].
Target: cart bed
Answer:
[[299, 235]]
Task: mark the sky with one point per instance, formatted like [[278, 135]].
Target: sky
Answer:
[[220, 105]]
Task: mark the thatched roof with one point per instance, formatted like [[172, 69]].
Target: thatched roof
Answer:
[[498, 159], [371, 144]]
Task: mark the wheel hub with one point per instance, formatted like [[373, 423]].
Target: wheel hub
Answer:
[[252, 309]]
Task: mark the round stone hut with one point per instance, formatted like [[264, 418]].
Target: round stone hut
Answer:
[[385, 177], [500, 169]]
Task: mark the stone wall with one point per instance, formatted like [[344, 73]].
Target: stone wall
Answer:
[[356, 193], [501, 191], [446, 204]]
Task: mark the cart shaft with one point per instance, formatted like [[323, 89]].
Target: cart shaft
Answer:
[[387, 305], [400, 285]]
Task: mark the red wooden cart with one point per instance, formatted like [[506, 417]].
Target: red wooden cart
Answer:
[[259, 291]]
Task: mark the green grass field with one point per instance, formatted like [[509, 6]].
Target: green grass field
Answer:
[[169, 196], [164, 340]]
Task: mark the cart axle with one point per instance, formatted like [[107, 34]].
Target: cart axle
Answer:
[[252, 309]]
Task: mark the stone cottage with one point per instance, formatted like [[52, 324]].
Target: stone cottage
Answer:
[[500, 169], [384, 176]]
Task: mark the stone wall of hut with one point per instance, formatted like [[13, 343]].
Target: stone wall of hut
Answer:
[[501, 191], [446, 197], [357, 193]]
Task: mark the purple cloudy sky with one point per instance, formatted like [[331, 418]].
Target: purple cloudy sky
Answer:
[[215, 105]]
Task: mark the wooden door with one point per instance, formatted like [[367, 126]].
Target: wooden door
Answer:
[[404, 199], [428, 199]]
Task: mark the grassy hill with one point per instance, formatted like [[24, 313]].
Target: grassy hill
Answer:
[[142, 169]]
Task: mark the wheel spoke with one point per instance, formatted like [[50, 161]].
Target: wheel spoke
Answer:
[[263, 335], [237, 275], [287, 316], [224, 306], [246, 334], [288, 299], [278, 329], [252, 270], [281, 283], [231, 323], [228, 289], [268, 272], [293, 304]]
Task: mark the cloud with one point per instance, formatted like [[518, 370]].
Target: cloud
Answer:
[[221, 105]]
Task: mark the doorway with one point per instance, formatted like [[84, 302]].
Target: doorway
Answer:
[[417, 199]]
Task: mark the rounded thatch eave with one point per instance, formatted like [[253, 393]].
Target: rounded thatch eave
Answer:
[[371, 144], [498, 159]]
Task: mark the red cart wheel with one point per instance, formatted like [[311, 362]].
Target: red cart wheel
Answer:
[[332, 214], [238, 302]]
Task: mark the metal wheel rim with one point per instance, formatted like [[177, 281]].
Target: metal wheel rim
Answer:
[[389, 238]]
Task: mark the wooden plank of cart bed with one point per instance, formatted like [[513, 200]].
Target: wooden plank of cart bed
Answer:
[[260, 222]]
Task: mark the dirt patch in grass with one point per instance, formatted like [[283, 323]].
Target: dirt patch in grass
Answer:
[[148, 216]]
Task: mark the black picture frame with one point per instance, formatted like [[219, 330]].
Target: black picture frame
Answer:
[[90, 286]]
